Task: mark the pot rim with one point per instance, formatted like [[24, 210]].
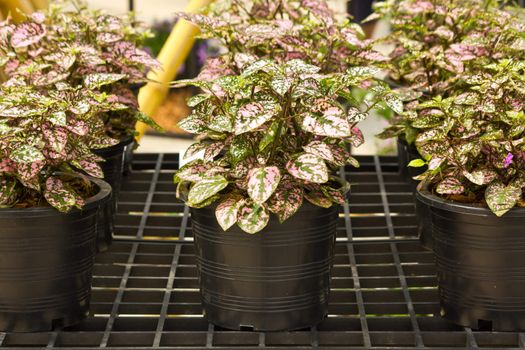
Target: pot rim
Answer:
[[96, 201], [425, 196]]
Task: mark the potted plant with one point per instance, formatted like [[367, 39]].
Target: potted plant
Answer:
[[429, 39], [273, 137], [48, 210], [275, 122], [86, 48], [473, 145]]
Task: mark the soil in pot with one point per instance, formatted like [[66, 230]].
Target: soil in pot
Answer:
[[46, 263], [275, 280], [113, 170], [480, 264]]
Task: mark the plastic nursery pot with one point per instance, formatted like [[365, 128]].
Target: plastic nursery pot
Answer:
[[480, 264], [113, 169], [407, 153], [275, 280], [46, 263], [128, 157]]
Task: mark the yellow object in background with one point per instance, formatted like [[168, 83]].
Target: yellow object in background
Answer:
[[40, 4], [171, 57], [14, 7]]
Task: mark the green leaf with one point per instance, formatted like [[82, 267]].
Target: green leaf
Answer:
[[308, 167], [205, 189], [144, 118], [300, 67], [27, 154], [252, 218], [58, 118], [240, 149], [262, 183], [221, 123], [394, 103], [417, 163], [97, 80], [269, 136], [501, 198], [267, 66], [194, 124], [254, 114], [197, 99], [227, 211], [281, 84]]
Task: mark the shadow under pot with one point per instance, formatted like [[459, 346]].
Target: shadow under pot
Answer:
[[46, 264], [480, 264], [113, 170], [275, 280]]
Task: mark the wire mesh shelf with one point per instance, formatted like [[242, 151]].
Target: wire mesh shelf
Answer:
[[384, 295]]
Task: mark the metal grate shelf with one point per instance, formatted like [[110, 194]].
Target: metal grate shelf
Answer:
[[384, 295]]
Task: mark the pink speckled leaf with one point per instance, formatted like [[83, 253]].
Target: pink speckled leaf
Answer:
[[286, 200], [29, 171], [90, 167], [254, 114], [58, 196], [7, 190], [27, 34], [78, 127], [227, 211], [57, 138], [317, 197], [252, 218], [332, 123], [308, 167], [321, 150], [262, 183], [450, 185]]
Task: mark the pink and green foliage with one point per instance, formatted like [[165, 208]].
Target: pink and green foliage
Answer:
[[270, 159], [467, 60], [436, 44], [282, 30], [63, 49], [44, 132]]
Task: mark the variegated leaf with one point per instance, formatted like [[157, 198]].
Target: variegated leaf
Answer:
[[331, 124], [227, 211], [90, 167], [501, 198], [321, 150], [450, 185], [308, 167], [96, 80], [286, 201], [252, 218], [7, 190], [262, 183], [253, 115], [206, 188], [27, 154], [58, 196], [480, 177]]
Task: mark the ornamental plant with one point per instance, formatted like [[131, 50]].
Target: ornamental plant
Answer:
[[472, 134], [46, 135], [282, 30], [273, 136], [435, 43], [62, 46]]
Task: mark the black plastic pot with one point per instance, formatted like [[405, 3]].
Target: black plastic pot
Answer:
[[46, 263], [480, 264], [128, 157], [275, 280], [406, 154], [113, 169]]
